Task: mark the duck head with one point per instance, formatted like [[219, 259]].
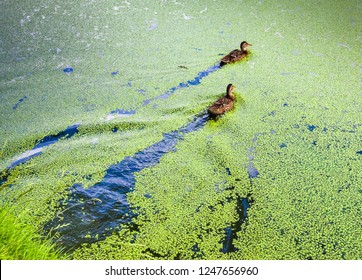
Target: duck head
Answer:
[[244, 45], [229, 91]]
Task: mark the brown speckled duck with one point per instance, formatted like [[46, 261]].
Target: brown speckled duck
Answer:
[[223, 104], [236, 55]]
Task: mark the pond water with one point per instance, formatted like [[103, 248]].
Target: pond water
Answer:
[[106, 144]]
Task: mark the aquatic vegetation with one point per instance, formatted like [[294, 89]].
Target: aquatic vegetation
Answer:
[[290, 149], [19, 240]]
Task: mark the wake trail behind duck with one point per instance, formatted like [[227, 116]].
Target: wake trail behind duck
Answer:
[[194, 82], [96, 211]]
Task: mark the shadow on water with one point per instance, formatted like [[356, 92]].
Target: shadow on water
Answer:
[[95, 211]]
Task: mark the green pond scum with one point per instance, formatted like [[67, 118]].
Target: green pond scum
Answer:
[[297, 123]]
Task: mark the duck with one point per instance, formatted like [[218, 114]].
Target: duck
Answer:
[[236, 55], [223, 104]]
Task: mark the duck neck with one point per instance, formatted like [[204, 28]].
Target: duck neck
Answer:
[[230, 94]]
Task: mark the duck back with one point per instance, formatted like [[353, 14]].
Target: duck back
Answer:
[[233, 56], [221, 106]]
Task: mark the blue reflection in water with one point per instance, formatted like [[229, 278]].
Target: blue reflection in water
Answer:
[[123, 112], [97, 210], [253, 172], [115, 73], [37, 150], [311, 127], [68, 70]]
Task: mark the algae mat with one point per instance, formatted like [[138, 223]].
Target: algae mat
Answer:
[[279, 177]]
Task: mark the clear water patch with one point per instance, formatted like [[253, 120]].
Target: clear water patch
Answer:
[[68, 70]]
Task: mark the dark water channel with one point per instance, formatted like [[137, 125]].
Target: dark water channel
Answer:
[[99, 209], [92, 214], [242, 205]]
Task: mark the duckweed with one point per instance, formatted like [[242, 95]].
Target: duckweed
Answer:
[[297, 122]]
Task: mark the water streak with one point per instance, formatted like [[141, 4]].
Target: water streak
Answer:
[[21, 100], [46, 141], [242, 204], [194, 82]]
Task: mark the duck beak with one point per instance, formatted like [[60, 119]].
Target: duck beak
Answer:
[[248, 44]]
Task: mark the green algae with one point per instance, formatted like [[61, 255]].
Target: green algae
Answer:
[[306, 198]]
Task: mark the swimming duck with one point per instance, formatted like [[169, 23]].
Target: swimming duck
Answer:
[[236, 55], [223, 104]]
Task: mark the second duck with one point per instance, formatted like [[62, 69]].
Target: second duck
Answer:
[[223, 104]]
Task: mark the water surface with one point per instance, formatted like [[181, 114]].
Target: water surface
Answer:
[[132, 75]]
